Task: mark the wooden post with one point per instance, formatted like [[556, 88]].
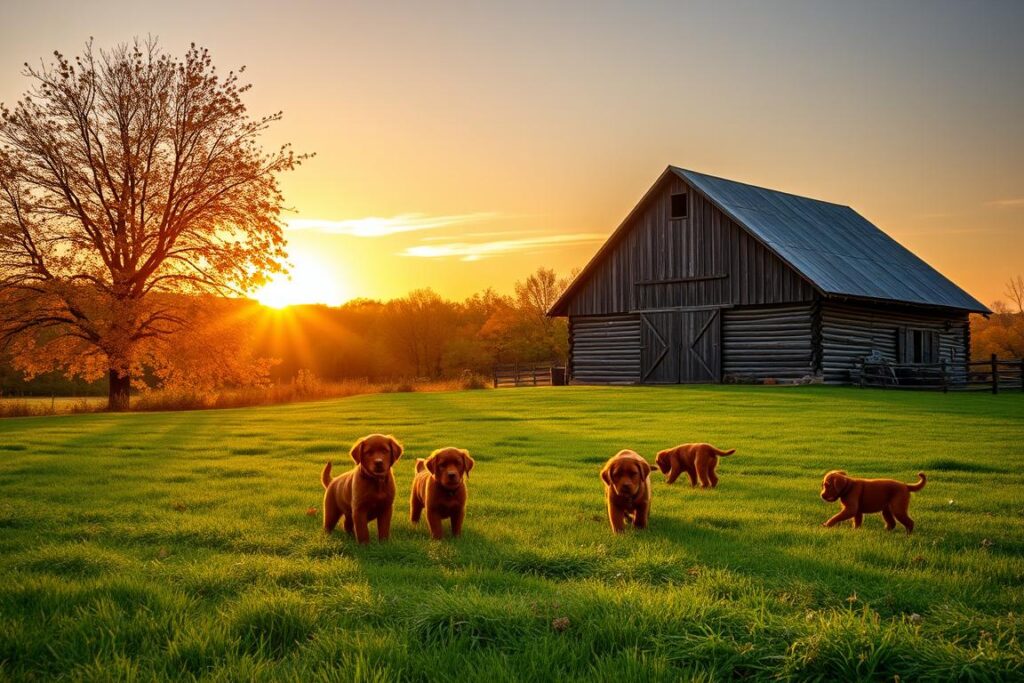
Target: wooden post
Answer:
[[995, 375], [535, 375], [945, 380], [495, 376]]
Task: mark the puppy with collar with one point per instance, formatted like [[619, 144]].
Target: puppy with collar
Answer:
[[439, 487]]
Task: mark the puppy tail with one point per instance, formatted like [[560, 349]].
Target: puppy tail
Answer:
[[719, 452], [421, 464], [922, 480], [325, 476]]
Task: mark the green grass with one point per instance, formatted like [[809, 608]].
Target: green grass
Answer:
[[178, 545]]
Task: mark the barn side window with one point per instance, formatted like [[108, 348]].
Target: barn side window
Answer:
[[917, 345], [679, 206]]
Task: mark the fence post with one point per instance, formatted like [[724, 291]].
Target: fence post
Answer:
[[495, 370], [945, 380], [995, 375]]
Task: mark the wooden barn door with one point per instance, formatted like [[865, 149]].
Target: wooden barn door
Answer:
[[680, 347], [661, 341], [701, 355]]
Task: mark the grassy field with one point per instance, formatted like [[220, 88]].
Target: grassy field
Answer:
[[180, 544]]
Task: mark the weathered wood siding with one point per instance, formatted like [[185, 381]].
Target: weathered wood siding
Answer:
[[767, 342], [604, 350], [713, 260], [850, 332]]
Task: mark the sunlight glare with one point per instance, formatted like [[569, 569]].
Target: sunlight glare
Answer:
[[308, 282]]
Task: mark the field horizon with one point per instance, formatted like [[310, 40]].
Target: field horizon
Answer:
[[158, 545]]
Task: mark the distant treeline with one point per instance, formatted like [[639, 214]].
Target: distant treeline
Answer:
[[419, 336]]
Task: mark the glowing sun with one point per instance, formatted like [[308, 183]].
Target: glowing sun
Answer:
[[308, 282]]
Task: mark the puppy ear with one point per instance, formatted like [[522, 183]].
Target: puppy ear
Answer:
[[606, 474], [645, 468], [357, 450], [467, 463], [395, 448], [431, 463]]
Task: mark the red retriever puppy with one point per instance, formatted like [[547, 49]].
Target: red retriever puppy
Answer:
[[867, 496], [698, 460], [366, 492], [627, 484], [439, 486]]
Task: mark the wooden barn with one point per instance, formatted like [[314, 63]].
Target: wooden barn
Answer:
[[711, 280]]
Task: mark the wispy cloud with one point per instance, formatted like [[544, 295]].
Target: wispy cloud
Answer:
[[474, 251], [381, 226], [477, 235], [1013, 202]]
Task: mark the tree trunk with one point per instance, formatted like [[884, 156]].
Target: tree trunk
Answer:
[[120, 385]]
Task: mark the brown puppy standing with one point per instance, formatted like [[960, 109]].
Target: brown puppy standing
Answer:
[[698, 460], [366, 492], [439, 487], [627, 483], [867, 496]]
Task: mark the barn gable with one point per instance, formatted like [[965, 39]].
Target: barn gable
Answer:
[[744, 244], [653, 262]]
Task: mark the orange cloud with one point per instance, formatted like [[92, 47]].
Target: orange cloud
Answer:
[[474, 251]]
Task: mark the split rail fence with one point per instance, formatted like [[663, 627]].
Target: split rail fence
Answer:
[[994, 375]]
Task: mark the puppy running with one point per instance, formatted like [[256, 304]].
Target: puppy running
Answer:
[[439, 486], [627, 483], [698, 460], [366, 492], [867, 496]]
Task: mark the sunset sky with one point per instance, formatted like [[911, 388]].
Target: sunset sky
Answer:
[[461, 146]]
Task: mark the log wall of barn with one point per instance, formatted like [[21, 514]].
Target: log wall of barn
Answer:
[[767, 342], [850, 332], [604, 350], [705, 259]]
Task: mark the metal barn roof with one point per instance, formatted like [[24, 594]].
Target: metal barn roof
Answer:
[[831, 245]]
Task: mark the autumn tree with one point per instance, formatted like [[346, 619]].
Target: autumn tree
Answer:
[[1015, 292], [418, 327], [521, 330], [1002, 332], [128, 178]]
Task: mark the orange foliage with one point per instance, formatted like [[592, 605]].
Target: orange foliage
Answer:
[[127, 179]]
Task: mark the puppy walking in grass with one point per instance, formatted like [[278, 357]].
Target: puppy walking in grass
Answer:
[[867, 496], [627, 483], [439, 487], [366, 492], [698, 460]]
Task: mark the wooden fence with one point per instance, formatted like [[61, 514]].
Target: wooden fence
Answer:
[[993, 375], [528, 375]]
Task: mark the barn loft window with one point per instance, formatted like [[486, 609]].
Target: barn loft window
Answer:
[[679, 206], [917, 346]]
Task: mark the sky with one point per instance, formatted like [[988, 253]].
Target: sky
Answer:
[[462, 146]]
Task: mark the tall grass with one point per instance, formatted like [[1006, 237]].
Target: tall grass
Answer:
[[38, 406], [305, 387]]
